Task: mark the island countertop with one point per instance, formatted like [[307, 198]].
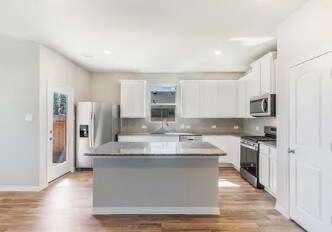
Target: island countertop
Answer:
[[156, 149]]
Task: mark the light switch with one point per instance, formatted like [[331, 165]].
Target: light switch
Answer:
[[143, 126], [28, 117], [236, 127], [257, 128], [182, 126], [187, 126], [213, 126]]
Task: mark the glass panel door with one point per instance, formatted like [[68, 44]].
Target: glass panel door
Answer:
[[60, 120], [59, 128]]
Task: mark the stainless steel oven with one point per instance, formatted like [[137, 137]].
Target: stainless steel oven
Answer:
[[249, 162], [263, 106]]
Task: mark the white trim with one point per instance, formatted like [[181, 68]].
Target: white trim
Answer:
[[156, 210], [21, 188], [282, 210], [320, 52]]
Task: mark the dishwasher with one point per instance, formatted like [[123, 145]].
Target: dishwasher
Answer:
[[190, 138]]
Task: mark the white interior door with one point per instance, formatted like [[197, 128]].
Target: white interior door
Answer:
[[60, 130], [310, 144]]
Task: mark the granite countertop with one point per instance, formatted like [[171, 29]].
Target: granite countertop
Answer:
[[237, 134], [156, 149], [269, 143]]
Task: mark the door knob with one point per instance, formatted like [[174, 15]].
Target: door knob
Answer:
[[291, 151]]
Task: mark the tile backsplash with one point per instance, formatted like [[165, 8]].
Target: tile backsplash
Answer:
[[183, 125], [256, 125], [249, 125]]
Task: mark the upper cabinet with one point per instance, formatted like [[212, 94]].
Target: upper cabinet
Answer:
[[228, 99], [209, 99], [263, 80], [133, 98], [190, 99]]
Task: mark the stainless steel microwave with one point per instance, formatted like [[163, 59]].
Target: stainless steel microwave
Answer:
[[263, 106]]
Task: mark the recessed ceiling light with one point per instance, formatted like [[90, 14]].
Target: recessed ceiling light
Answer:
[[217, 52], [252, 41], [88, 56], [108, 52]]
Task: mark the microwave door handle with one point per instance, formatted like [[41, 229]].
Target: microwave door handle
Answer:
[[263, 104]]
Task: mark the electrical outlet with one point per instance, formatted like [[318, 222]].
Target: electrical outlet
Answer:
[[143, 126], [257, 128], [187, 126], [28, 117], [213, 126], [236, 127], [182, 126]]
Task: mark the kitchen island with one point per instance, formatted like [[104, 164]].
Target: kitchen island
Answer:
[[155, 178]]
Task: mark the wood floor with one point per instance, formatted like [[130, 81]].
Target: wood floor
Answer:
[[66, 206]]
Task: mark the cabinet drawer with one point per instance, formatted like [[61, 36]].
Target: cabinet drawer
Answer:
[[264, 149]]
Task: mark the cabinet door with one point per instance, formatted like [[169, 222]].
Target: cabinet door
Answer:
[[133, 99], [242, 96], [209, 95], [190, 99], [264, 172], [249, 93], [235, 143], [222, 143], [266, 74], [255, 80], [273, 170], [228, 99]]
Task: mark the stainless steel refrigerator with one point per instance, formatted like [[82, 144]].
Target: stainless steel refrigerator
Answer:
[[96, 124]]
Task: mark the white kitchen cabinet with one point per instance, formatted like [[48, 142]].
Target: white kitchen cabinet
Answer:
[[268, 168], [209, 99], [190, 99], [254, 81], [263, 79], [264, 172], [133, 98], [273, 170], [242, 97], [148, 138], [209, 93], [229, 144], [268, 81], [227, 104]]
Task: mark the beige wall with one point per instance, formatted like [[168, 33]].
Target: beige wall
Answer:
[[106, 86], [57, 68], [307, 30]]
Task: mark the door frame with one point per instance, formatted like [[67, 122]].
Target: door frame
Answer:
[[51, 86], [316, 54]]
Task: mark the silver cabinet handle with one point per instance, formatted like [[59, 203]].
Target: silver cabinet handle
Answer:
[[291, 151], [51, 138]]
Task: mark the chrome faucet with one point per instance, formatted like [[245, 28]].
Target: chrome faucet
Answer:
[[162, 124]]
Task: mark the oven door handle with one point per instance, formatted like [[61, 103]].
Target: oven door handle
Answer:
[[250, 147]]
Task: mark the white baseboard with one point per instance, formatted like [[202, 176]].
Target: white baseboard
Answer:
[[156, 210], [226, 165], [282, 210], [21, 188]]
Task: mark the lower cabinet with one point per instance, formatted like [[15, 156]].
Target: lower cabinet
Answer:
[[229, 144], [268, 168]]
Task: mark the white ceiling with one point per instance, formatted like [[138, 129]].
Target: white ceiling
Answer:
[[149, 35]]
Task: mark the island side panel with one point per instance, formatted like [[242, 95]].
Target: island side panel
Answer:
[[155, 185]]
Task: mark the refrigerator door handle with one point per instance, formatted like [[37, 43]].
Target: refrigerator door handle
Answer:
[[92, 129]]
